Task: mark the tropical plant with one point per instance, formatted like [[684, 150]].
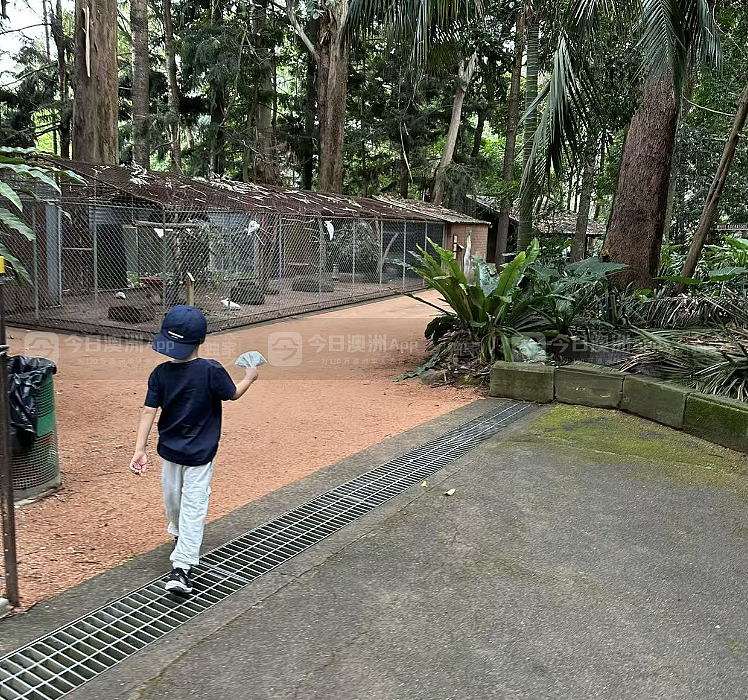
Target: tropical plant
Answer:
[[570, 290], [20, 170], [711, 370], [496, 313], [669, 36]]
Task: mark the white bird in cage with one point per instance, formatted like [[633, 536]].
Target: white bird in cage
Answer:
[[230, 304], [330, 229], [120, 295], [253, 227]]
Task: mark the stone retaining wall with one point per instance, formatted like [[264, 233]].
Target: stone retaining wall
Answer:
[[719, 420]]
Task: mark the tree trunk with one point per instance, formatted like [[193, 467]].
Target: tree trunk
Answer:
[[715, 191], [141, 142], [218, 106], [579, 246], [62, 77], [478, 135], [464, 76], [332, 91], [95, 137], [601, 170], [510, 147], [683, 112], [175, 140], [638, 218], [310, 109], [48, 19], [265, 165], [403, 184], [531, 92]]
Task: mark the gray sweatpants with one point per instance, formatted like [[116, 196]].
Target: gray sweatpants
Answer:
[[186, 491]]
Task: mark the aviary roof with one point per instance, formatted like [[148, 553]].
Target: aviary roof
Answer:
[[111, 184]]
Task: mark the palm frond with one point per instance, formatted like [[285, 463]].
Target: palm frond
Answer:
[[422, 23], [722, 372]]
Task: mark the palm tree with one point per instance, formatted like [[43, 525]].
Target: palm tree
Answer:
[[669, 33], [527, 196]]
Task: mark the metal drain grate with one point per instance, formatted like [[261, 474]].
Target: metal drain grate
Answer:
[[57, 664]]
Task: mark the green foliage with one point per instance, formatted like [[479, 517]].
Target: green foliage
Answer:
[[25, 167], [709, 370], [570, 291], [493, 312]]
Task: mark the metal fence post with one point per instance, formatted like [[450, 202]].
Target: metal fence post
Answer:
[[405, 248], [381, 252], [35, 253], [6, 465], [163, 261], [59, 254], [95, 249], [321, 244], [353, 270]]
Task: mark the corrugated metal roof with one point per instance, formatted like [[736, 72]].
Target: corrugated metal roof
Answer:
[[428, 209], [112, 183]]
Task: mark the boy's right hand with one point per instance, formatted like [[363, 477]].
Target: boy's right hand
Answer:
[[251, 373], [139, 463]]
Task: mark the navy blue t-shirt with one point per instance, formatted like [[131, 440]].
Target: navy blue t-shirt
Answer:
[[189, 395]]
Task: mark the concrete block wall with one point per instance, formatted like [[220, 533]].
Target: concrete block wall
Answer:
[[718, 420]]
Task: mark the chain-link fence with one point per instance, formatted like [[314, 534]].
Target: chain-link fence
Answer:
[[116, 269]]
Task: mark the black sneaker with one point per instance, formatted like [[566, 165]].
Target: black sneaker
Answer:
[[178, 581]]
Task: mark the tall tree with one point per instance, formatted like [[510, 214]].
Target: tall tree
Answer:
[[332, 92], [47, 18], [265, 162], [510, 143], [464, 76], [218, 101], [175, 141], [637, 219], [95, 137], [579, 245], [330, 51], [527, 195], [670, 33], [140, 83], [715, 191], [58, 35]]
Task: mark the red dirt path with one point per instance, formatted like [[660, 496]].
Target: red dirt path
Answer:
[[294, 421]]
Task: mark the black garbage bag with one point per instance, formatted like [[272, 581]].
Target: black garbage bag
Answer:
[[25, 376]]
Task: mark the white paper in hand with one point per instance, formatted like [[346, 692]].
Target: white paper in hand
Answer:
[[250, 359]]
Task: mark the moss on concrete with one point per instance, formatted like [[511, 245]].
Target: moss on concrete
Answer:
[[652, 451], [720, 420]]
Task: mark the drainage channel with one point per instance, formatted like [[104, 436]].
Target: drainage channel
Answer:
[[55, 665]]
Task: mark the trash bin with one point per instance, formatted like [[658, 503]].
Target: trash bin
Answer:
[[33, 426]]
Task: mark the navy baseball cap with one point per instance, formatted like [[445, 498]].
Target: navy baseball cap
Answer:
[[182, 330]]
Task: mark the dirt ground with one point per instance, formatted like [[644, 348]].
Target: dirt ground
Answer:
[[334, 398]]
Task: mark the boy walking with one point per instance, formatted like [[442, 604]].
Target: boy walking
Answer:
[[189, 391]]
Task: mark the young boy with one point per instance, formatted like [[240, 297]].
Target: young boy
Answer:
[[189, 391]]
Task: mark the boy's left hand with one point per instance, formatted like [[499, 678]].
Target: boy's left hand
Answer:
[[139, 463]]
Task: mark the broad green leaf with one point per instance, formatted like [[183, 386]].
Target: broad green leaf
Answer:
[[20, 271], [725, 274], [9, 193], [13, 222]]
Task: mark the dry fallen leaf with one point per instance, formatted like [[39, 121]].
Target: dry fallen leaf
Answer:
[[451, 492]]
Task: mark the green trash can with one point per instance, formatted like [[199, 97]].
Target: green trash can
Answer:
[[36, 462]]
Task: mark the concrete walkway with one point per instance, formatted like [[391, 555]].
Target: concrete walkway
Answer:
[[584, 554]]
